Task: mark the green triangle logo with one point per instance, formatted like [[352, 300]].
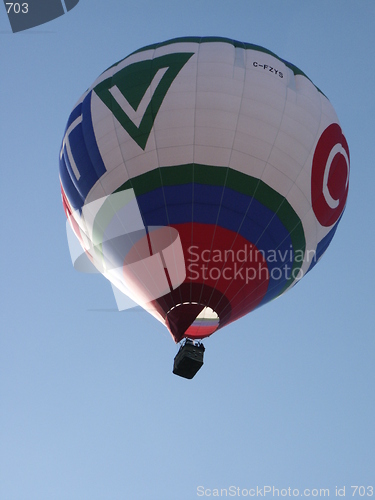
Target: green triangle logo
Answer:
[[135, 93]]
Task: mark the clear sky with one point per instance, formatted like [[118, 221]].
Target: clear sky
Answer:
[[89, 407]]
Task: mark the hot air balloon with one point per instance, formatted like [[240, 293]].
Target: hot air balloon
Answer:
[[204, 177]]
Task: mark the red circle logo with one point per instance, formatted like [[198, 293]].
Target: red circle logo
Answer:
[[330, 175]]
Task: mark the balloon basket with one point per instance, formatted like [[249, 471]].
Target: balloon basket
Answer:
[[189, 359]]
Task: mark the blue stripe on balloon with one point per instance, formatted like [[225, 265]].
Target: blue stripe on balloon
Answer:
[[77, 111], [90, 141], [86, 155], [70, 190]]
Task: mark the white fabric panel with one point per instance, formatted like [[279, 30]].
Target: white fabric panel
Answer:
[[174, 137], [303, 180], [219, 156], [297, 198], [292, 155], [302, 138], [261, 111], [142, 163], [252, 146], [179, 155], [281, 160], [220, 137], [244, 163], [216, 52], [176, 118], [103, 117], [108, 142], [277, 180], [225, 85], [265, 132], [177, 103], [219, 71], [305, 112], [218, 101], [271, 94]]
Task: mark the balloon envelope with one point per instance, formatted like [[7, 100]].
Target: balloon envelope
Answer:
[[204, 177]]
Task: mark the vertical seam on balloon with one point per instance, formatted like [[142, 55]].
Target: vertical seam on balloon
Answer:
[[112, 68], [219, 208], [193, 180], [160, 173], [193, 163], [118, 142], [113, 71], [124, 164], [225, 181], [217, 218], [252, 198]]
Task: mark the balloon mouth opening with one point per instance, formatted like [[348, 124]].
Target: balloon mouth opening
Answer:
[[192, 320]]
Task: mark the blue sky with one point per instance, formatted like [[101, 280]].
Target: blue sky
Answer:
[[89, 407]]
